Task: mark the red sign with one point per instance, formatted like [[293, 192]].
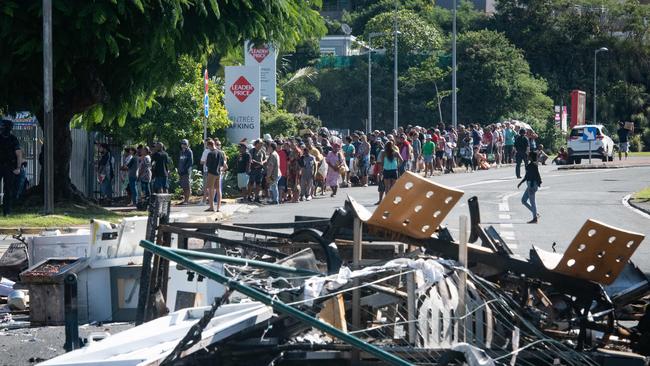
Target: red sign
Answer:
[[259, 54], [578, 107], [241, 89]]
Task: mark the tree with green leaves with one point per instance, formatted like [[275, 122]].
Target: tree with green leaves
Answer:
[[416, 35], [495, 80], [113, 57], [559, 38], [419, 83], [177, 113]]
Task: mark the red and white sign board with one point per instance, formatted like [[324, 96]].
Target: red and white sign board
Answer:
[[265, 58], [242, 99]]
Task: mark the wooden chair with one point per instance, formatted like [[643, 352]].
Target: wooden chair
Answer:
[[598, 253]]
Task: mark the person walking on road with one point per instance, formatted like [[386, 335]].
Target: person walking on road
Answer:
[[185, 163], [623, 141], [11, 158], [521, 148], [533, 181]]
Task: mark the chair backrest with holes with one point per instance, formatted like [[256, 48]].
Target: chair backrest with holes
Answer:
[[599, 252], [415, 206]]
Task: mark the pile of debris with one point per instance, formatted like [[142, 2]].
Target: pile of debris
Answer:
[[388, 287]]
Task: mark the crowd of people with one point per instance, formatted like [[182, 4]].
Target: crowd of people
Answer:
[[144, 169], [285, 170], [299, 168]]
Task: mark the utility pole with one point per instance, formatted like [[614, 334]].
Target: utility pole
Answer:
[[395, 89], [602, 49], [370, 37], [369, 128], [48, 101], [454, 101]]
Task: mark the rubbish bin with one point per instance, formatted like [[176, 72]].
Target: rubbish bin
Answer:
[[46, 291]]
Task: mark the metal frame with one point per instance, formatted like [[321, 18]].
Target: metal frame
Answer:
[[279, 306]]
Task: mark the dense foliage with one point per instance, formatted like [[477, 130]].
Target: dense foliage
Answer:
[[113, 57], [517, 63]]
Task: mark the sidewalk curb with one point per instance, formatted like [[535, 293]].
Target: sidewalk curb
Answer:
[[217, 216], [630, 201], [38, 230], [603, 166]]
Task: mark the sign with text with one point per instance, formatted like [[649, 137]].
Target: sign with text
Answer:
[[263, 56], [242, 97]]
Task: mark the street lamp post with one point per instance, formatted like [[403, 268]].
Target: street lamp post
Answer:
[[370, 37], [602, 49], [395, 105], [454, 100]]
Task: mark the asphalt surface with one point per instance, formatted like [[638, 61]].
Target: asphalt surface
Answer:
[[566, 200]]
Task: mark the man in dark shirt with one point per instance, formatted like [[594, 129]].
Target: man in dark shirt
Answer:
[[258, 159], [243, 168], [623, 140], [185, 162], [160, 169], [214, 162], [10, 160], [521, 148]]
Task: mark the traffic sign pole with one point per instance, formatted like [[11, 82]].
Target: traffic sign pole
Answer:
[[589, 151]]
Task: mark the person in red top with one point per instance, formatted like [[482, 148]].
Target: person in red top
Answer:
[[284, 163], [488, 140], [440, 148]]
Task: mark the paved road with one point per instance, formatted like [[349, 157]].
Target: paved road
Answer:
[[567, 199]]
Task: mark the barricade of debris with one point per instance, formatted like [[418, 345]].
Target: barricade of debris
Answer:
[[388, 287]]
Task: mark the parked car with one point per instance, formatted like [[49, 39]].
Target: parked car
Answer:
[[601, 148]]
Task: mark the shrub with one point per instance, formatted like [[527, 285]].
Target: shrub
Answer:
[[636, 143]]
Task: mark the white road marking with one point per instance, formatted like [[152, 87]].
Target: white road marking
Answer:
[[638, 212], [509, 226], [504, 217], [490, 181], [503, 207]]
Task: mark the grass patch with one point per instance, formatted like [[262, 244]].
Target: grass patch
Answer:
[[643, 194], [68, 214], [643, 154]]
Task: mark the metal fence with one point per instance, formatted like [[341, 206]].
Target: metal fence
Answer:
[[83, 161]]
